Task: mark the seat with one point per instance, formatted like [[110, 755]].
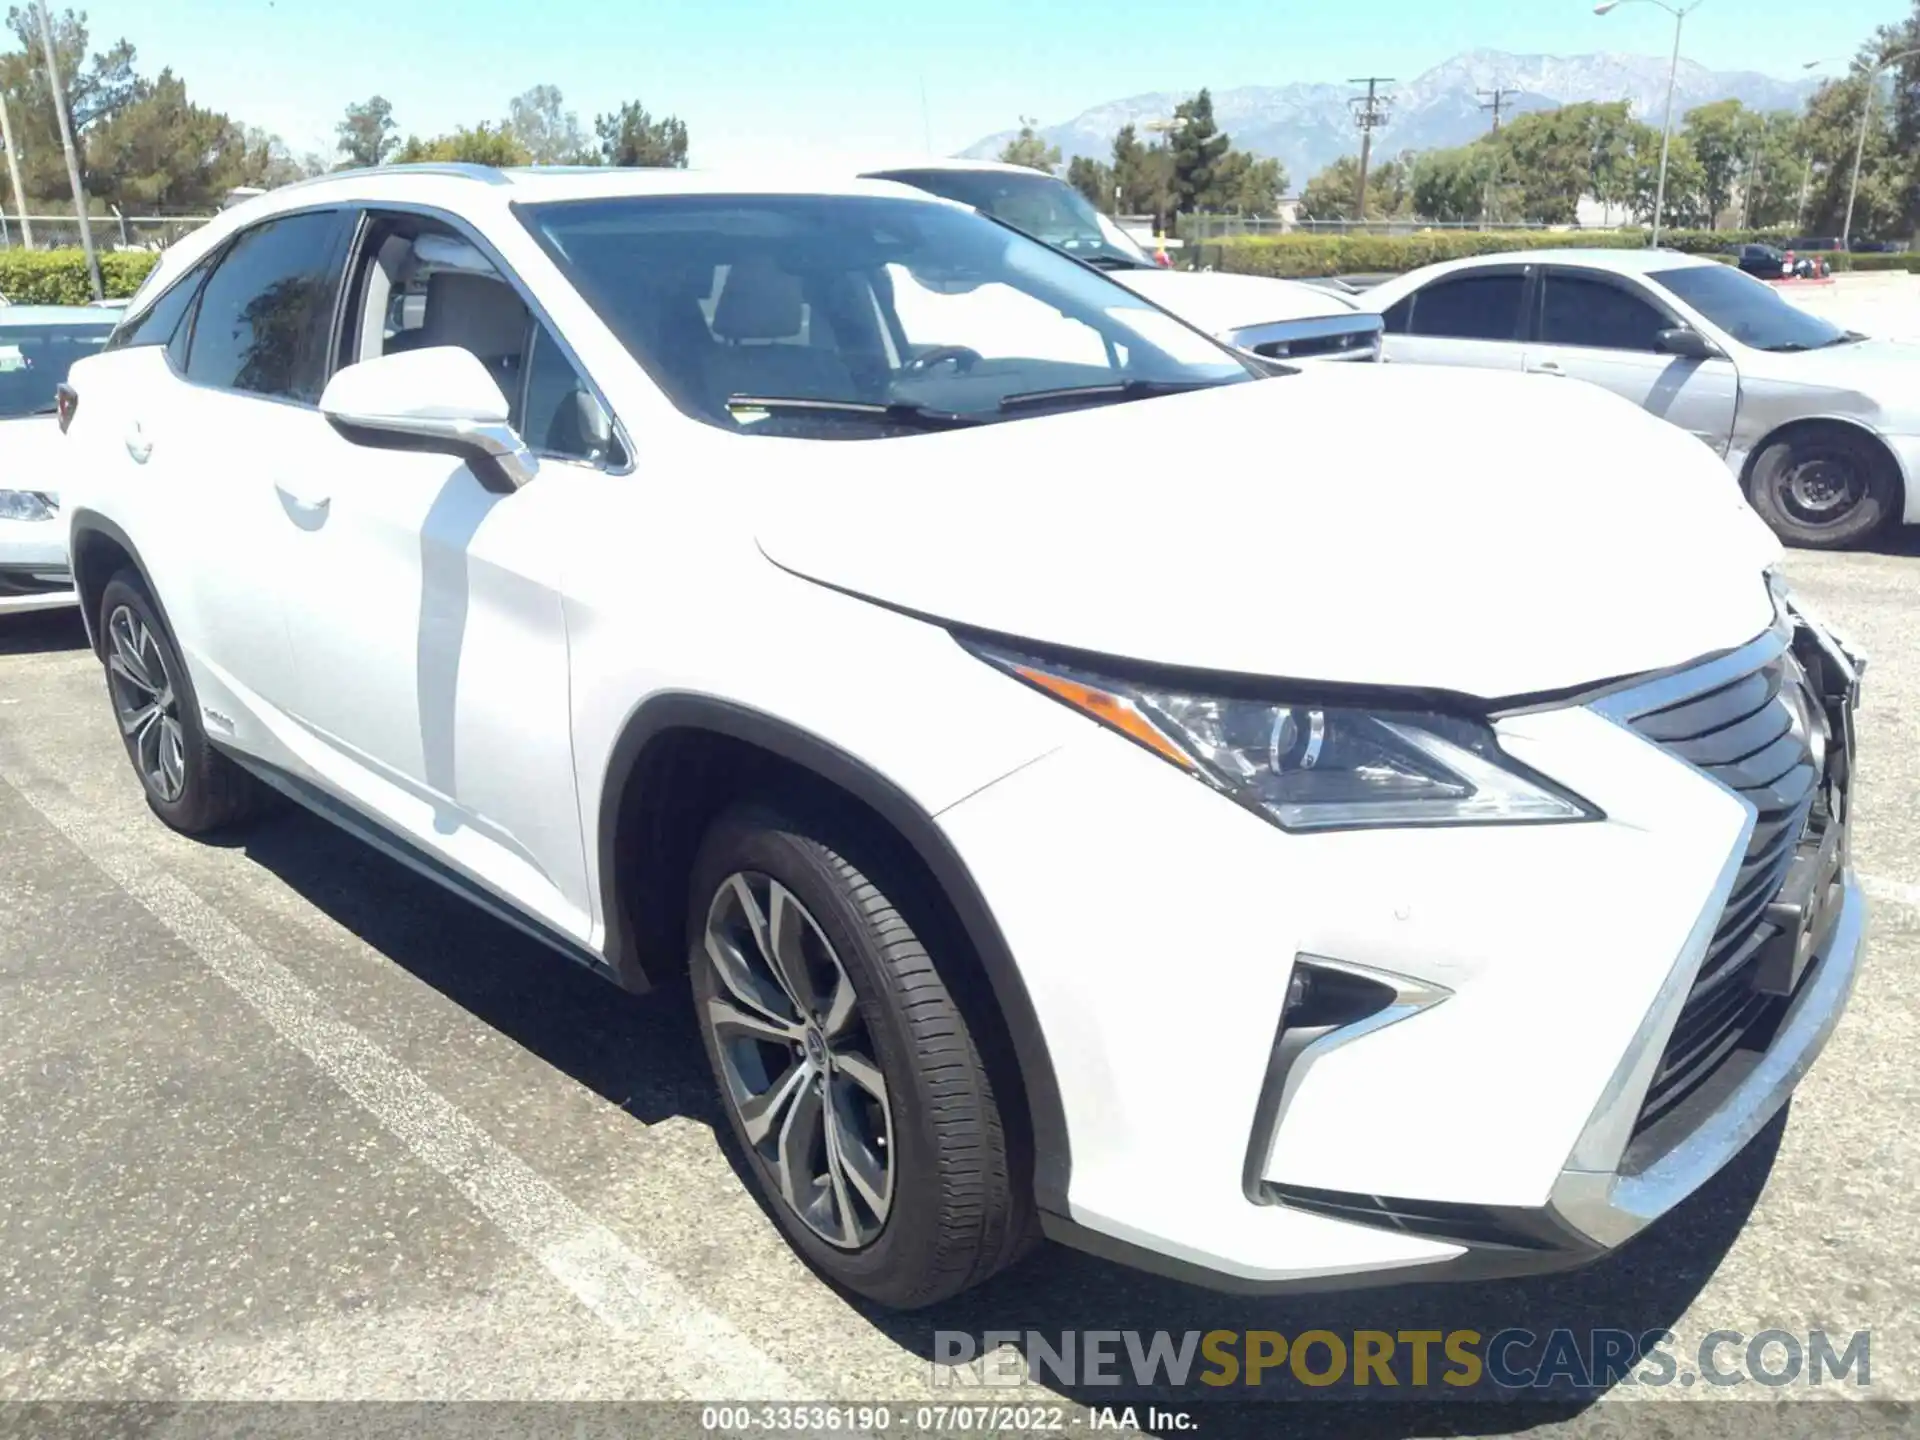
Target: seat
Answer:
[[479, 314], [760, 311]]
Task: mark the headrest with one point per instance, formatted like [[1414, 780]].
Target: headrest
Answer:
[[758, 302]]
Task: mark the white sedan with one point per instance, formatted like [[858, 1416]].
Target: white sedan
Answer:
[[37, 345], [1821, 425]]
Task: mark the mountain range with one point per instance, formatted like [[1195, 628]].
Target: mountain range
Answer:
[[1307, 126]]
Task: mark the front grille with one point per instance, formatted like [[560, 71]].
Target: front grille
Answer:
[[1745, 735]]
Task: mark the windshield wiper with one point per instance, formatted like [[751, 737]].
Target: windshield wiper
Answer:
[[1118, 262], [919, 417], [1099, 394]]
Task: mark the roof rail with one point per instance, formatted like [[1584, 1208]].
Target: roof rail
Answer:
[[458, 169]]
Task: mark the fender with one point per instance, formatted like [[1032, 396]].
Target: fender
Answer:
[[90, 522], [685, 711]]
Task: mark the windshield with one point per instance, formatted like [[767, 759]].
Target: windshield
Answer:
[[1749, 310], [1050, 210], [34, 359], [878, 316]]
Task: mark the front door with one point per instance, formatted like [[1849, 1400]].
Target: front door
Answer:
[[1599, 328]]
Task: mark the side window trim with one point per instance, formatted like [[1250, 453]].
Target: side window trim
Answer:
[[1607, 280], [219, 256], [543, 320]]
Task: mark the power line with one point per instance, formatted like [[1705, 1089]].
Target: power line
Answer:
[[1370, 113]]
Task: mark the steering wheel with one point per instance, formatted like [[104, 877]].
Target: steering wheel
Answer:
[[964, 358]]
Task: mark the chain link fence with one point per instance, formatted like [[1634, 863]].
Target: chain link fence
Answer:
[[110, 232]]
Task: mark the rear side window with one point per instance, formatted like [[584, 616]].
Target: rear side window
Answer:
[[157, 324], [1470, 307], [266, 314]]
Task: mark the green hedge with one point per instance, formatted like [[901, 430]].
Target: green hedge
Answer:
[[1303, 256], [59, 277]]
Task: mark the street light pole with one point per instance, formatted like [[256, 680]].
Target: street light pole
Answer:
[[1673, 74], [66, 141]]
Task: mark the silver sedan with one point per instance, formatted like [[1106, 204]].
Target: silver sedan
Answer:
[[1820, 425]]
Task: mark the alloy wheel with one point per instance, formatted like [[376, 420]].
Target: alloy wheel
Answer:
[[797, 1062], [146, 703]]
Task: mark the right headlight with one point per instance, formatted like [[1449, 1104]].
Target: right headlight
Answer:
[[27, 505], [1309, 765]]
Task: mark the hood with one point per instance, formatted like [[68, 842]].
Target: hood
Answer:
[[33, 454], [1219, 303], [1881, 369], [1499, 537]]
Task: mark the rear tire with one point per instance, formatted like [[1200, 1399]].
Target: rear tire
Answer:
[[838, 1046], [1824, 488], [189, 785]]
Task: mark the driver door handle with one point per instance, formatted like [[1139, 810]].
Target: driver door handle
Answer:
[[1547, 367], [139, 444]]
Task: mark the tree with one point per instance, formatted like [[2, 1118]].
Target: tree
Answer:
[[481, 145], [1198, 145], [1454, 185], [366, 134], [1770, 185], [1143, 177], [162, 152], [1245, 185], [546, 130], [265, 160], [1553, 157], [631, 136], [1829, 131], [1093, 180], [97, 87], [1028, 149], [1724, 137], [1330, 194]]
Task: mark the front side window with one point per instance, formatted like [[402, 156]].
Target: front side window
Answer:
[[263, 322], [420, 284], [1749, 310], [856, 316], [1576, 310], [1470, 307], [1050, 210], [34, 360]]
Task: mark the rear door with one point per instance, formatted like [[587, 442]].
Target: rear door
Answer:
[[1469, 317], [1603, 328]]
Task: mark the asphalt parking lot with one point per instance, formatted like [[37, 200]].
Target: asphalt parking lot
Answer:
[[282, 1121]]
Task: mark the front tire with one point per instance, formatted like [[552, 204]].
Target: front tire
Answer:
[[849, 1075], [188, 784], [1827, 488]]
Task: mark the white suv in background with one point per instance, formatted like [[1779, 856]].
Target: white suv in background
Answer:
[[1276, 319], [1243, 875]]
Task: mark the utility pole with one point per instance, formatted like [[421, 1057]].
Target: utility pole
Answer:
[[13, 173], [1806, 184], [1369, 113], [66, 141], [1496, 101], [1746, 187]]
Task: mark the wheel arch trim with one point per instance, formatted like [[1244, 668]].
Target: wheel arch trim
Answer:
[[682, 710], [87, 522], [1847, 422]]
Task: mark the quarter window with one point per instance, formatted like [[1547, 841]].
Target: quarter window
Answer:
[[1470, 307], [265, 314], [158, 324], [1580, 311]]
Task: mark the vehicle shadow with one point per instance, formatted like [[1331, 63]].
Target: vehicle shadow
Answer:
[[644, 1055], [1642, 1288], [42, 632]]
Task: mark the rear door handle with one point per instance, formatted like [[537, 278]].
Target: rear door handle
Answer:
[[139, 444], [1547, 367]]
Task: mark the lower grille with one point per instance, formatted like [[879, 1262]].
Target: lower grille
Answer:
[[1756, 735]]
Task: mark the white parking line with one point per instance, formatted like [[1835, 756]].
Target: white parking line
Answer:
[[632, 1295], [1896, 892]]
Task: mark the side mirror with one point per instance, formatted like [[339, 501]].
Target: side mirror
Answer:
[[440, 400], [1688, 345]]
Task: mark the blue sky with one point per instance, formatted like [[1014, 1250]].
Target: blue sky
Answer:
[[768, 80]]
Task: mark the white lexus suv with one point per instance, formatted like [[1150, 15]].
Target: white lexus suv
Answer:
[[1253, 869]]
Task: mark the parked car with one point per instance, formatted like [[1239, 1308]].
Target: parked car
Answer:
[[1276, 319], [1820, 425], [37, 345], [1763, 262], [1044, 864]]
